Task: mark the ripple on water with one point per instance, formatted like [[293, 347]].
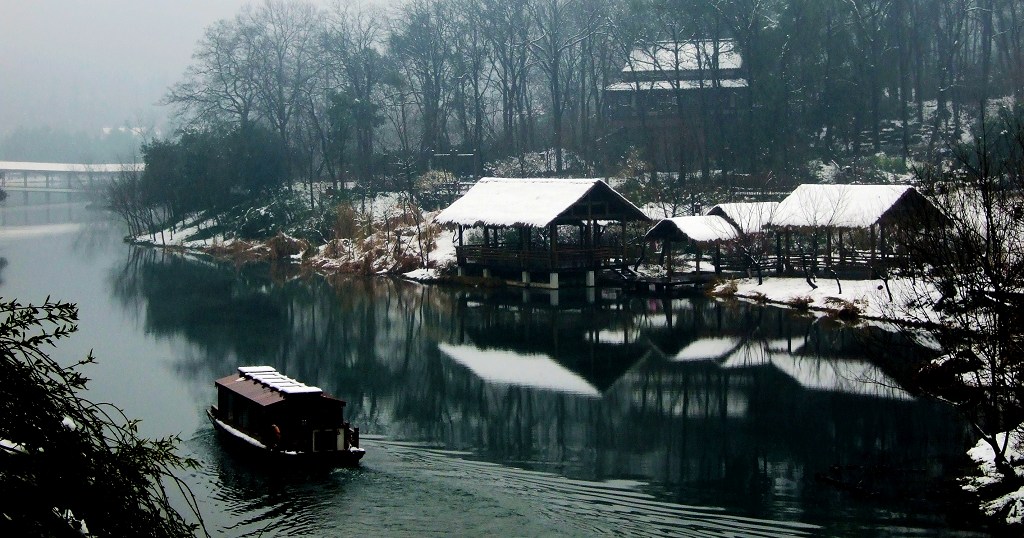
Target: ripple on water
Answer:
[[410, 490]]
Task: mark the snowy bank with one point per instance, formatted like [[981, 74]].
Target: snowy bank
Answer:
[[863, 298], [997, 493], [386, 234]]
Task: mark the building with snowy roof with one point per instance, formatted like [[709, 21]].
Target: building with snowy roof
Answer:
[[697, 234], [679, 98], [522, 226], [850, 227]]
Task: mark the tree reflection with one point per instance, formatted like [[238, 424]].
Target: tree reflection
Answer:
[[743, 404]]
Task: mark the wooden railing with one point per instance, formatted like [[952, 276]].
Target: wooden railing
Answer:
[[568, 257]]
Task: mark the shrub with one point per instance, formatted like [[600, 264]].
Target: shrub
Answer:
[[800, 302], [843, 309], [725, 289]]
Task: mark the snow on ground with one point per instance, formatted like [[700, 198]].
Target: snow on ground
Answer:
[[870, 296], [1009, 506], [182, 236]]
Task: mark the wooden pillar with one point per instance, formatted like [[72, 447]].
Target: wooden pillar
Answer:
[[828, 247], [553, 232], [668, 257], [881, 241], [814, 250], [718, 258], [460, 252], [872, 234], [788, 243], [842, 249], [623, 240], [778, 253]]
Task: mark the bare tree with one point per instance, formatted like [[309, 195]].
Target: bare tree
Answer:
[[507, 27], [285, 35], [422, 43], [357, 68], [554, 49], [971, 298], [220, 84]]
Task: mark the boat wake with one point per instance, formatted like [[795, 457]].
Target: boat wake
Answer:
[[591, 507]]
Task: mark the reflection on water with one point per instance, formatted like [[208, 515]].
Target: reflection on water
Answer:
[[746, 410], [504, 412]]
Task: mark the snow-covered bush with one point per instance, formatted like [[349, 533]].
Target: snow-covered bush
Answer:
[[1000, 495]]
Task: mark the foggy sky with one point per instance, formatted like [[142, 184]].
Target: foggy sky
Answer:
[[88, 64]]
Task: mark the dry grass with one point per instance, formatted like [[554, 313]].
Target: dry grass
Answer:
[[724, 289], [843, 309], [283, 246], [800, 302]]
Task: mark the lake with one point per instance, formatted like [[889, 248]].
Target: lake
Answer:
[[507, 411]]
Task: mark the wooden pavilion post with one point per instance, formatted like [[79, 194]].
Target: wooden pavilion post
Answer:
[[788, 242], [553, 275], [553, 233], [625, 262], [814, 250], [842, 250], [872, 234], [778, 253], [668, 257], [828, 247], [881, 241]]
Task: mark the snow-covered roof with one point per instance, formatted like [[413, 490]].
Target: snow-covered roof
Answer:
[[271, 378], [849, 376], [839, 206], [708, 349], [681, 84], [511, 368], [686, 56], [749, 217], [534, 202], [19, 166], [699, 228]]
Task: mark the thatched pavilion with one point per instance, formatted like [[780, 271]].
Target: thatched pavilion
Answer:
[[701, 233], [847, 227], [541, 225]]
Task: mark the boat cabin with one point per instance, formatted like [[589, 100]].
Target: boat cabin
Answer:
[[282, 413]]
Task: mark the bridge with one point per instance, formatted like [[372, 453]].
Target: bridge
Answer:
[[60, 177]]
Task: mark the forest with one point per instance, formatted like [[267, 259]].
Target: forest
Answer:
[[372, 97]]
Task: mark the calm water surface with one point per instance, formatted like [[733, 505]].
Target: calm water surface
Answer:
[[501, 412]]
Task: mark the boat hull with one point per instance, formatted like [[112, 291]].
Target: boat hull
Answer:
[[253, 447]]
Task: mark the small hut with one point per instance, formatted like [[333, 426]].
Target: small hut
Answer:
[[698, 234], [847, 227], [541, 225]]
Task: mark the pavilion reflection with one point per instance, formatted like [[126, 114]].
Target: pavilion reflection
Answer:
[[751, 400]]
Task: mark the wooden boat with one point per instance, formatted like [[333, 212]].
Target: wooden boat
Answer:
[[277, 416]]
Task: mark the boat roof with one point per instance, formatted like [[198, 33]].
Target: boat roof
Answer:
[[264, 385]]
